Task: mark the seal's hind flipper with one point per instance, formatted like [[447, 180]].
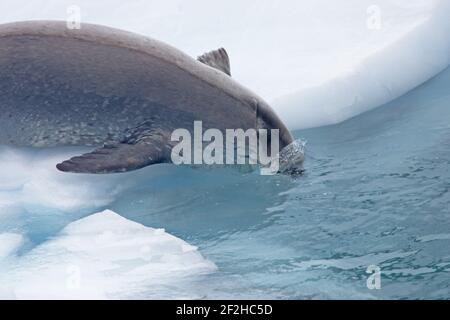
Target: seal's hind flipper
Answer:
[[119, 157]]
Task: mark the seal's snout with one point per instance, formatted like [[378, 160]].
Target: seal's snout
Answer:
[[292, 157]]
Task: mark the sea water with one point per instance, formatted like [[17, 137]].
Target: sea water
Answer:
[[375, 193]]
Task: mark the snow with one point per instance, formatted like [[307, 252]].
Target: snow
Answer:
[[106, 256]]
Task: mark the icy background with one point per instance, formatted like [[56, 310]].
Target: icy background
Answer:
[[376, 189]]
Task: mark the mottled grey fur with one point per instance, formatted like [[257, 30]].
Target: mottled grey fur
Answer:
[[99, 85]]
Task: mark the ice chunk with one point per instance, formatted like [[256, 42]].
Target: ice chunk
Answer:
[[107, 256], [9, 243], [381, 76]]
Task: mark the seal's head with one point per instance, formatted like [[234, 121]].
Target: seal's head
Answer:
[[291, 153], [267, 119]]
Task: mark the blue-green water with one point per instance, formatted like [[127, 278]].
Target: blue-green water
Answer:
[[376, 191]]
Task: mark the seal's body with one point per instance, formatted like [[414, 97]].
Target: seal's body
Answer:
[[98, 85]]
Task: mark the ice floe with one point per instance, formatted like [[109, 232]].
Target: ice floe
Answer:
[[105, 256]]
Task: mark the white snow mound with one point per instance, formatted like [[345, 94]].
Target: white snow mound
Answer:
[[106, 256]]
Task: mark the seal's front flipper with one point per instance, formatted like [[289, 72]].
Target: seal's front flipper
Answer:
[[217, 59], [119, 157]]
